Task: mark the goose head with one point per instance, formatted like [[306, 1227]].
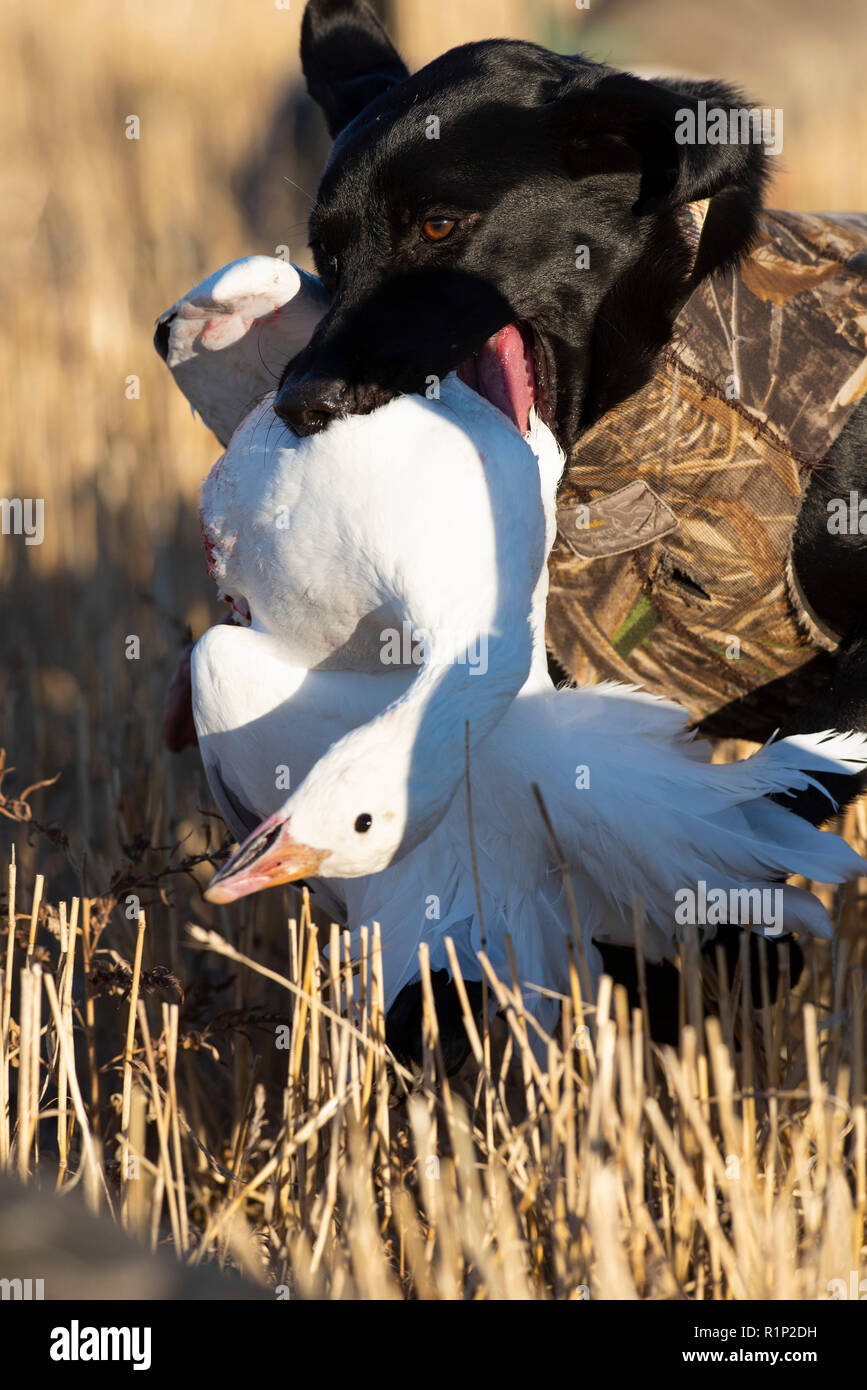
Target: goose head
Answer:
[[372, 798]]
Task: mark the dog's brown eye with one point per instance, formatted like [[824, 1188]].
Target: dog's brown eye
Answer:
[[438, 228]]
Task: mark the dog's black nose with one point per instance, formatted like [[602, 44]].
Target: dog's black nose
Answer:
[[307, 406]]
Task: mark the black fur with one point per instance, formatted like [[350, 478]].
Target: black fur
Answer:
[[347, 59], [403, 1024], [663, 980]]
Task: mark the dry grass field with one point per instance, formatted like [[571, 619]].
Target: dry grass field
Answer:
[[141, 1029]]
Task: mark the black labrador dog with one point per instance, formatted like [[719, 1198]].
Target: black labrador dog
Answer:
[[451, 209], [446, 228]]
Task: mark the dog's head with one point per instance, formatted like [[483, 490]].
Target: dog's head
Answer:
[[517, 215]]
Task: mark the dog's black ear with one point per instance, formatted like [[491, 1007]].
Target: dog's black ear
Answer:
[[686, 191], [347, 57], [661, 124]]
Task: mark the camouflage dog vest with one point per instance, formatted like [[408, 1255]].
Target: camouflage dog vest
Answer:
[[672, 567]]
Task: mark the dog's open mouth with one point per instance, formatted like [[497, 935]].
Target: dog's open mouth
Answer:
[[509, 370]]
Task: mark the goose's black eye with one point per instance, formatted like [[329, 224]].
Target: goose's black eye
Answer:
[[363, 823]]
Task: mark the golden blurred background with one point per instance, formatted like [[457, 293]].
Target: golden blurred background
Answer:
[[102, 232]]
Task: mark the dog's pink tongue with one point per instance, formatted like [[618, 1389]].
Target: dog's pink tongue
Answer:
[[505, 375]]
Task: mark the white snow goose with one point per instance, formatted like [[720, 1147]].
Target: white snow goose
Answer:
[[646, 813], [638, 808]]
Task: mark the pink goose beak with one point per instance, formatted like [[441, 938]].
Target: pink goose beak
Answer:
[[267, 857]]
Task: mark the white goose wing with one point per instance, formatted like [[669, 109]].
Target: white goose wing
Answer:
[[227, 341], [639, 815]]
